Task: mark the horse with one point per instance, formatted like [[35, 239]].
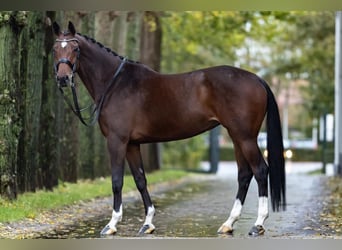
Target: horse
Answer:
[[137, 105]]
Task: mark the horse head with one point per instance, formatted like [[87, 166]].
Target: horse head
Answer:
[[66, 52]]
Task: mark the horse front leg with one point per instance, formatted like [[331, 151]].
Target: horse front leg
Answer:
[[117, 150], [135, 163]]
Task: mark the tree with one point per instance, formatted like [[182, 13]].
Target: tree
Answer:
[[150, 53], [48, 153], [315, 34], [11, 23], [31, 69], [104, 33], [85, 22], [67, 127]]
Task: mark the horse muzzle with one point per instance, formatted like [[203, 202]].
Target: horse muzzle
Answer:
[[63, 81]]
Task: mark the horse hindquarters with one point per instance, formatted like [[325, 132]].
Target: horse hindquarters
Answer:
[[250, 163], [243, 126]]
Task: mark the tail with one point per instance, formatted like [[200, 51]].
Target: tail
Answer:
[[275, 150]]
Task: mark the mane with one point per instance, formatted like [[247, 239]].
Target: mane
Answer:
[[109, 50]]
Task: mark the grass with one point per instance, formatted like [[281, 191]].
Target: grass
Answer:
[[28, 205]]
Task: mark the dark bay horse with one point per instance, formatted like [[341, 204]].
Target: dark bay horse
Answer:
[[144, 106]]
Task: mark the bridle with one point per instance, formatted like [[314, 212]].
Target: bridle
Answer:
[[73, 66], [75, 107]]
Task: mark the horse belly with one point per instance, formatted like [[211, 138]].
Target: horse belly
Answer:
[[173, 128]]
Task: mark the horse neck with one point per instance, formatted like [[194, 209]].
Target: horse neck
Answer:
[[96, 67]]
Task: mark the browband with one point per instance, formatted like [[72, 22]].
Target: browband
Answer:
[[67, 40]]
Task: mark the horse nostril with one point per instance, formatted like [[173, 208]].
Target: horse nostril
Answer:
[[62, 80]]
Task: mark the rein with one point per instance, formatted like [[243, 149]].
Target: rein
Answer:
[[75, 107]]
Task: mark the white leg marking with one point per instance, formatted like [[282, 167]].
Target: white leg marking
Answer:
[[234, 214], [149, 215], [148, 227], [116, 217], [262, 211]]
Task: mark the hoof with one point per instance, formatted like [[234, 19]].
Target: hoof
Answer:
[[108, 231], [257, 231], [147, 229], [225, 230]]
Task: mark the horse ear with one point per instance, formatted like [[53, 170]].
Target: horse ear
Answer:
[[71, 28], [56, 28]]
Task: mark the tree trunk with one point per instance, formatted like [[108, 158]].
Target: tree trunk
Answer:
[[31, 68], [48, 156], [150, 52], [103, 32], [150, 42], [10, 121], [87, 134], [68, 128], [104, 23], [119, 37]]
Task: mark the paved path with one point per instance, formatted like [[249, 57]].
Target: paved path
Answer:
[[197, 209], [305, 194], [207, 209]]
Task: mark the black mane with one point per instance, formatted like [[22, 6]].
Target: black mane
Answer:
[[109, 50]]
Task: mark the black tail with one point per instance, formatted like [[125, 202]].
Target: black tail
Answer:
[[275, 150]]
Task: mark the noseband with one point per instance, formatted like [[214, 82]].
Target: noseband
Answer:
[[76, 107]]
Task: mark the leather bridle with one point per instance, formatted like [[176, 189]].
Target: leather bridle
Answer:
[[75, 107]]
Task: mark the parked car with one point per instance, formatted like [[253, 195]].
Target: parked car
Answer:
[[262, 142]]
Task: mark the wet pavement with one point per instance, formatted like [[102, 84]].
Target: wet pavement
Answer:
[[196, 209]]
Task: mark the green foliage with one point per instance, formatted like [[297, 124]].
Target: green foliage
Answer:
[[20, 17], [184, 154], [196, 39], [318, 42]]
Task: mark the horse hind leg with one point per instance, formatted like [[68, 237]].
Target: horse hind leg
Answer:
[[245, 175], [135, 163], [261, 175], [259, 168]]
